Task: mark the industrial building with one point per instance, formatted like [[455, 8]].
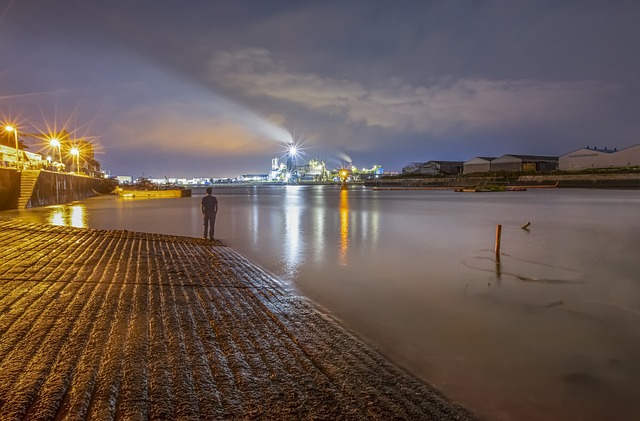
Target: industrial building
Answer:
[[532, 163], [478, 164], [580, 159], [587, 158], [434, 168], [628, 157]]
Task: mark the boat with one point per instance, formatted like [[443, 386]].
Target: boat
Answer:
[[112, 192], [489, 188], [537, 186], [159, 193], [144, 188]]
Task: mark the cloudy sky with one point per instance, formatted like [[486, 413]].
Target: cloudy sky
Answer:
[[217, 88]]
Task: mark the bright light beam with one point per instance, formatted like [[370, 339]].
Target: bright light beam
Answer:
[[251, 120]]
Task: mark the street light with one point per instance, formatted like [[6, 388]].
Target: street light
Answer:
[[76, 152], [55, 143], [15, 132]]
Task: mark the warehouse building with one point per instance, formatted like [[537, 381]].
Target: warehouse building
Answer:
[[478, 164], [531, 163], [443, 168], [628, 157], [587, 158]]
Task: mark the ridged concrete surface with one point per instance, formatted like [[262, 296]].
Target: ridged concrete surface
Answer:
[[121, 325]]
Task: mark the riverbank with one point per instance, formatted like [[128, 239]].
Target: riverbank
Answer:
[[602, 181], [117, 324]]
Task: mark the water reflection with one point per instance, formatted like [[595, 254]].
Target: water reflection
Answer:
[[68, 215], [56, 217], [344, 227], [292, 233], [319, 225], [255, 216], [78, 218]]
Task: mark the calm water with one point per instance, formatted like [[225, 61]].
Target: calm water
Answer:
[[552, 331]]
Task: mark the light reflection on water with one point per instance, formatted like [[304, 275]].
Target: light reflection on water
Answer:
[[67, 215], [292, 235], [551, 333], [344, 226]]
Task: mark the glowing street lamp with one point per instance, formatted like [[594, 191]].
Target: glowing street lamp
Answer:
[[15, 132], [76, 152], [55, 143]]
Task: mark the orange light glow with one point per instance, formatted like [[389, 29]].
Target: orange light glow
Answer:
[[344, 227]]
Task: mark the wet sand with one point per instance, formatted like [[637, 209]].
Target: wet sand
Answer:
[[98, 324]]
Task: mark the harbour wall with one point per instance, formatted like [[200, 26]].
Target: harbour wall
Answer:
[[9, 188], [51, 188], [617, 181]]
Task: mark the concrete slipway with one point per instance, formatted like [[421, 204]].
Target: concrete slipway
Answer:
[[120, 325]]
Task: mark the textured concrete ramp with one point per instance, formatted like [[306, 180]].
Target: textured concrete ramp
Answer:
[[121, 325]]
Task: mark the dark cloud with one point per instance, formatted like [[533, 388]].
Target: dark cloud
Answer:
[[211, 88]]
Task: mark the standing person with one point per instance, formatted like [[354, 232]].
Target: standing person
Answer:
[[209, 210]]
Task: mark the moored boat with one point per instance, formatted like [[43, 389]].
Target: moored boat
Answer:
[[157, 193], [144, 188]]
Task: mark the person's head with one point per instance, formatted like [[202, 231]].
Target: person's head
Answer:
[[209, 190]]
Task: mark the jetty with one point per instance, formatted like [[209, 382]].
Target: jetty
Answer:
[[111, 324]]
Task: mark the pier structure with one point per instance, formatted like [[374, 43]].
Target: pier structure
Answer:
[[99, 324]]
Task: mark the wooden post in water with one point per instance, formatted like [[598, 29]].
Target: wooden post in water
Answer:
[[498, 238]]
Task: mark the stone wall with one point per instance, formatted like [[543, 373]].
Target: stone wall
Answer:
[[51, 188], [9, 188]]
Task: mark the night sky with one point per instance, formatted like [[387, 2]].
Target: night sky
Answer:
[[208, 88]]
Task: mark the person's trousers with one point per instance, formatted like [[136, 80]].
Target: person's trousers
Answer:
[[209, 225]]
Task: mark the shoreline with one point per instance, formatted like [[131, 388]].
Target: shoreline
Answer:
[[598, 181]]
